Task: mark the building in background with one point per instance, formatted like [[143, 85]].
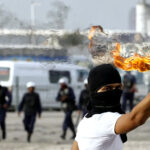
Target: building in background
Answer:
[[143, 17], [31, 45]]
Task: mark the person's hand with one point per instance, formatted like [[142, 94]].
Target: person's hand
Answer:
[[63, 98], [78, 111], [5, 106], [19, 114]]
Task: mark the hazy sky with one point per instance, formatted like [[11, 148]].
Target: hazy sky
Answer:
[[111, 14]]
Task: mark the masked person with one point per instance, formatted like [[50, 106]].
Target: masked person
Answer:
[[84, 98], [105, 126], [31, 105], [67, 98], [5, 102]]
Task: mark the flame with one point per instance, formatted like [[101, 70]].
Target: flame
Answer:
[[135, 62], [93, 30], [92, 33]]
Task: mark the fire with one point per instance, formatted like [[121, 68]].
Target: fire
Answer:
[[93, 30], [135, 62], [92, 33]]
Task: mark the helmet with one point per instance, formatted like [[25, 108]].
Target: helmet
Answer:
[[30, 84], [63, 80], [85, 81]]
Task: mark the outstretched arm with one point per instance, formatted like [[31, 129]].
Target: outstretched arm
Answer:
[[137, 117]]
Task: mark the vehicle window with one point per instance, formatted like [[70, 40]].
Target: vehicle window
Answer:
[[55, 75], [81, 75], [4, 74]]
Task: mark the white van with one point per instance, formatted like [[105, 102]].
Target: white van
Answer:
[[15, 75]]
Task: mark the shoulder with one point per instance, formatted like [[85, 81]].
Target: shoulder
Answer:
[[106, 118], [70, 88], [133, 76], [99, 124], [4, 88], [84, 91], [26, 94], [36, 94]]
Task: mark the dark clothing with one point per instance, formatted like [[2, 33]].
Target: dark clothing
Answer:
[[68, 122], [83, 101], [68, 105], [128, 80], [31, 105], [29, 121], [5, 99], [128, 95], [3, 128]]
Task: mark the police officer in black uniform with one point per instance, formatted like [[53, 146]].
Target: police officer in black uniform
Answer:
[[5, 102], [84, 98], [67, 98], [31, 105], [129, 89]]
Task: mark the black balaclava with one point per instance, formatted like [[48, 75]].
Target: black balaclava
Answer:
[[108, 101]]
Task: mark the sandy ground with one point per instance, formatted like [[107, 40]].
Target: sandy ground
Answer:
[[48, 130]]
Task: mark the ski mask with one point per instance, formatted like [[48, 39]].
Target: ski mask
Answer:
[[108, 101], [100, 76]]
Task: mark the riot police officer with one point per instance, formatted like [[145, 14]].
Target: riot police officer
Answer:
[[5, 102], [67, 98], [31, 105]]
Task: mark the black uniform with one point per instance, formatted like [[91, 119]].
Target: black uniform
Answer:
[[83, 100], [31, 105], [68, 105], [5, 102], [129, 81]]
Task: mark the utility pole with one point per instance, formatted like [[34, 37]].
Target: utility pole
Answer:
[[32, 17]]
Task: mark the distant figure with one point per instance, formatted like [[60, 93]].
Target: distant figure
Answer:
[[5, 102], [67, 98], [129, 88], [31, 105], [84, 98]]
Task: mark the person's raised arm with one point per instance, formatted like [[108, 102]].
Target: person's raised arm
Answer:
[[139, 114]]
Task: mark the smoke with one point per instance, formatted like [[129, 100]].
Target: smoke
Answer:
[[58, 15], [9, 20], [102, 45]]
